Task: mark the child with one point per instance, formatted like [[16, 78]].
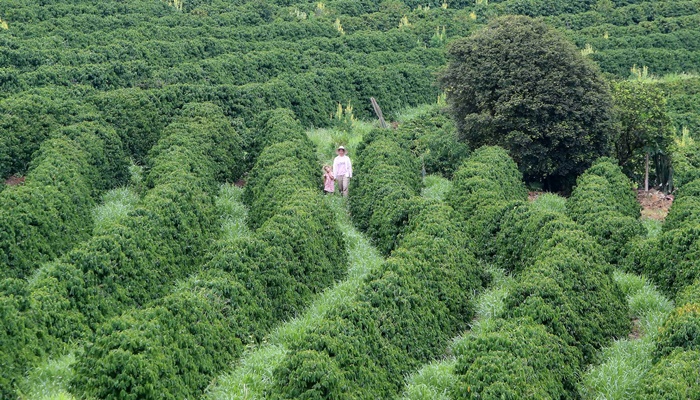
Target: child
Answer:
[[328, 180]]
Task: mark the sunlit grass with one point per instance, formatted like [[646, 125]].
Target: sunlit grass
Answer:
[[432, 382], [653, 227], [414, 112], [253, 373], [115, 207], [549, 202], [435, 187], [233, 212], [49, 381], [625, 362]]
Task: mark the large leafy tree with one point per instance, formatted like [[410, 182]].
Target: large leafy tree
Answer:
[[645, 130], [521, 85]]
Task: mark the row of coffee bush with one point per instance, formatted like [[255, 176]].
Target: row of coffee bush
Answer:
[[132, 262], [405, 312], [563, 305], [139, 115], [626, 14], [671, 258], [171, 348], [431, 135], [385, 193], [485, 188], [672, 261], [51, 211], [605, 204]]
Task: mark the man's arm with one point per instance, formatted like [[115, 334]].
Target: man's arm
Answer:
[[335, 167], [349, 168]]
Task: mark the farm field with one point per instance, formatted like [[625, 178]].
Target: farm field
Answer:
[[164, 233]]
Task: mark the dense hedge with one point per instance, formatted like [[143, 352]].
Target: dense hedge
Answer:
[[386, 177], [513, 359], [432, 136], [172, 348], [604, 203], [287, 163], [486, 186], [403, 316], [52, 211], [674, 377], [136, 260], [563, 306], [671, 259], [30, 118], [680, 331], [21, 339]]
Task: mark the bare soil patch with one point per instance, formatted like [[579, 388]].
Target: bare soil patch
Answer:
[[14, 180], [655, 204]]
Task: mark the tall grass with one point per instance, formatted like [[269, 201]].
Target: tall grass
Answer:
[[652, 226], [253, 373], [625, 362], [49, 381], [116, 205], [550, 202], [435, 187], [234, 214]]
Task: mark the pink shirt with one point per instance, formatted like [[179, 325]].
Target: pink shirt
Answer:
[[328, 184]]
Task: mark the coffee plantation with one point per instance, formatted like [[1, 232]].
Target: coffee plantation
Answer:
[[164, 232]]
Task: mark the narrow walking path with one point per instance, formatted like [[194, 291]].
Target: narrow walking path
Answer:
[[253, 373]]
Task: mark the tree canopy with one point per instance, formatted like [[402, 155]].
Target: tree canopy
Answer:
[[521, 85]]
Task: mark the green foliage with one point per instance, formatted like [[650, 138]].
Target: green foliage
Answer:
[[485, 187], [402, 317], [433, 138], [30, 118], [523, 230], [671, 259], [183, 338], [249, 283], [103, 150], [603, 187], [519, 84], [680, 331], [645, 128], [689, 295], [571, 292], [19, 335], [605, 205], [674, 377], [388, 177], [280, 170], [139, 116], [626, 361], [272, 127], [50, 212], [515, 358]]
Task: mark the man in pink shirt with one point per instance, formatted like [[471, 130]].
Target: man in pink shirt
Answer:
[[342, 171]]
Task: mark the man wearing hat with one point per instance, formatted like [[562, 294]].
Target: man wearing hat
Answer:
[[342, 171]]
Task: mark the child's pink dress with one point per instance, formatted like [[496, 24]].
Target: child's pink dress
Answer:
[[328, 184]]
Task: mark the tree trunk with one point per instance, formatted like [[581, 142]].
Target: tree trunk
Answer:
[[646, 173]]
